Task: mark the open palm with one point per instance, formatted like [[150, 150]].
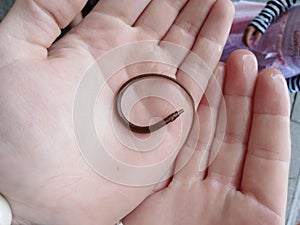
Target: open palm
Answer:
[[246, 183], [43, 175]]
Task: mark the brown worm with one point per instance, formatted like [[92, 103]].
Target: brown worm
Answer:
[[157, 125]]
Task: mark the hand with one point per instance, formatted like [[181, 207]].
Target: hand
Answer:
[[43, 174], [249, 33], [247, 181]]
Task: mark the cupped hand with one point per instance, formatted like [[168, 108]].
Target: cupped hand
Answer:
[[251, 36], [43, 174], [246, 181]]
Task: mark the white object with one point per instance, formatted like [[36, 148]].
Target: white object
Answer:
[[5, 212]]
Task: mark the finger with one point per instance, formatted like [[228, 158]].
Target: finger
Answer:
[[116, 17], [198, 66], [159, 16], [247, 36], [187, 25], [185, 30], [257, 37], [122, 10], [266, 166], [241, 74], [193, 158], [32, 26], [99, 33]]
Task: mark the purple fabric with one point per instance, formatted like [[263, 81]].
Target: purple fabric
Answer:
[[274, 48]]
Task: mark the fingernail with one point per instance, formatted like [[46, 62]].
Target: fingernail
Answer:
[[277, 77], [249, 63], [220, 70]]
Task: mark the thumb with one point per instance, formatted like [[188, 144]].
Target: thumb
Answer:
[[32, 26]]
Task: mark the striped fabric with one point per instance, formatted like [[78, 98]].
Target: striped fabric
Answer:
[[273, 9], [293, 84]]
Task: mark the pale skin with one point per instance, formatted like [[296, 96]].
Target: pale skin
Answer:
[[247, 182], [43, 175]]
